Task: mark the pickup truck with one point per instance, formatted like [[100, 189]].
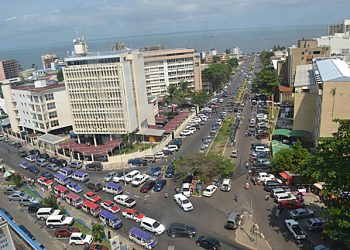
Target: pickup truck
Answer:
[[139, 179], [294, 227]]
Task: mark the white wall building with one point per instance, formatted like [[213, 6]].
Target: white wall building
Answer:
[[236, 51], [107, 91], [39, 107]]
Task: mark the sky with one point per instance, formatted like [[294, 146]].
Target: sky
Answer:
[[26, 23]]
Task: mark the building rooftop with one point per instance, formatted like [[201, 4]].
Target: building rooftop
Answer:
[[32, 87], [96, 55], [335, 70], [304, 76]]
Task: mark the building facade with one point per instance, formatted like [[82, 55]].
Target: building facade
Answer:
[[303, 54], [339, 43], [170, 67], [8, 69], [107, 91], [48, 60], [339, 28], [37, 107]]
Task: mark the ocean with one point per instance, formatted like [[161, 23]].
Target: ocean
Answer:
[[249, 40]]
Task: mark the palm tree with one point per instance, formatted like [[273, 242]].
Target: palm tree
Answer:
[[172, 93], [98, 232], [50, 201]]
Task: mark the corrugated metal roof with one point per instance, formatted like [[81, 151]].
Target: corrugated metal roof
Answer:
[[334, 70]]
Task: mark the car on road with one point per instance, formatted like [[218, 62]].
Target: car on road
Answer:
[[110, 206], [301, 213], [94, 166], [132, 214], [80, 239], [226, 185], [138, 162], [124, 200], [180, 230], [152, 225], [186, 132], [76, 164], [209, 190], [96, 187], [208, 242], [147, 186], [183, 202], [315, 224], [234, 153], [17, 196], [159, 185], [74, 187], [65, 231], [91, 196]]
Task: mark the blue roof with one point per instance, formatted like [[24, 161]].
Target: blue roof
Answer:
[[109, 215], [61, 176], [79, 173], [333, 70], [113, 185], [139, 232]]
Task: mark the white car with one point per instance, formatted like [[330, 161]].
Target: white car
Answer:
[[118, 177], [186, 189], [109, 176], [196, 119], [139, 179], [152, 226], [80, 239], [183, 202], [124, 200], [192, 129], [226, 185], [186, 132], [31, 158], [171, 148], [159, 155], [209, 190]]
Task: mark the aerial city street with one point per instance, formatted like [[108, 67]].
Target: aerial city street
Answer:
[[180, 140]]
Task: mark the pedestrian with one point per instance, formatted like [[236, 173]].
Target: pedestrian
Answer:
[[109, 235], [267, 197], [235, 198], [277, 213], [43, 190], [166, 195]]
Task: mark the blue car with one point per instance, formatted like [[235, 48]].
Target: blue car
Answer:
[[160, 184], [33, 169], [138, 162], [74, 187], [169, 172]]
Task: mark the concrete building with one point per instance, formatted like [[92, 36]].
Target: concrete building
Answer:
[[339, 43], [279, 62], [236, 51], [37, 107], [339, 28], [170, 66], [303, 54], [48, 59], [107, 91], [153, 110], [322, 93], [8, 69]]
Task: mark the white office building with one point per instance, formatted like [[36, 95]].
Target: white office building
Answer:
[[339, 43]]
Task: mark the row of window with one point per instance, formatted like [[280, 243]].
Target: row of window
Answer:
[[93, 84], [92, 73], [104, 116]]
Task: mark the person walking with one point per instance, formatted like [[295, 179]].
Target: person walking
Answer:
[[235, 198], [267, 197]]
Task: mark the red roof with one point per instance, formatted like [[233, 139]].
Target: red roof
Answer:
[[91, 149], [285, 89], [175, 122]]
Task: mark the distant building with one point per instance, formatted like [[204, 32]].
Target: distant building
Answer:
[[303, 54], [321, 94], [37, 107], [119, 46], [339, 28], [170, 66], [279, 62], [236, 51], [107, 92], [47, 60], [153, 48], [339, 43], [8, 69]]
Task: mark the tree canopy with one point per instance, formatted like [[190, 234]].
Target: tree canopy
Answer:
[[266, 82], [233, 62], [60, 77], [200, 98], [98, 232], [206, 167], [265, 57], [217, 74]]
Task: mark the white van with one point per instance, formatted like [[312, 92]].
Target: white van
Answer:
[[129, 177], [58, 220], [44, 212], [284, 196]]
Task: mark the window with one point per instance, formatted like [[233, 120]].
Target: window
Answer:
[[54, 123], [51, 106], [40, 117], [317, 52], [53, 114], [36, 99], [49, 97]]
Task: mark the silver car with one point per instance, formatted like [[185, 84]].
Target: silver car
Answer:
[[17, 196], [26, 201]]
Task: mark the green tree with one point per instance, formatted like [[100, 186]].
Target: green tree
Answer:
[[217, 75], [200, 98], [227, 51], [330, 164], [265, 57], [50, 201], [206, 167], [16, 179], [233, 62], [266, 82], [60, 77], [98, 232], [216, 59], [172, 94]]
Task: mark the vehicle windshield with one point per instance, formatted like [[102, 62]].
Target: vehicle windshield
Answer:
[[83, 236], [150, 240], [186, 201], [156, 224], [185, 189]]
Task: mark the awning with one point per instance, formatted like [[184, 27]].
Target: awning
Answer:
[[284, 175], [8, 173], [283, 132], [51, 139], [300, 134], [151, 132]]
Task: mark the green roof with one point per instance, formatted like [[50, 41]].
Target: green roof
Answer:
[[277, 146], [282, 131], [300, 134]]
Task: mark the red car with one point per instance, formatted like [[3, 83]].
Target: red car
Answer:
[[110, 206], [44, 181], [291, 204], [132, 214], [66, 231], [147, 186], [91, 196]]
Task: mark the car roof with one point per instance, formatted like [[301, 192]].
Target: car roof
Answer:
[[148, 219]]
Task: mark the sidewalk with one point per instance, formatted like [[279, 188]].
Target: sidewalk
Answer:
[[249, 235]]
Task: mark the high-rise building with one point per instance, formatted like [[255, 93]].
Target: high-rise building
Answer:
[[170, 66], [339, 28], [47, 59], [38, 107], [303, 54], [8, 69], [107, 91]]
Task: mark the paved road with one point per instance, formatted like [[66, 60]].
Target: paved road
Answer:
[[209, 214]]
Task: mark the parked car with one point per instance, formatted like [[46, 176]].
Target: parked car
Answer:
[[294, 227], [152, 226], [301, 213], [209, 190], [186, 189], [91, 196], [291, 204], [124, 200], [169, 172], [53, 167], [118, 177], [180, 230], [94, 166], [147, 186], [17, 196], [76, 164], [33, 208], [110, 206], [315, 224], [33, 169], [183, 202], [159, 155], [132, 214], [159, 185], [66, 231], [138, 162], [109, 176], [96, 187], [74, 187], [22, 153], [10, 190], [34, 152], [26, 201], [226, 185], [47, 175], [139, 179], [44, 156], [80, 239], [31, 158], [150, 158], [208, 243]]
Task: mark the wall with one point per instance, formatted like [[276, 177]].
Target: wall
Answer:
[[64, 112]]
